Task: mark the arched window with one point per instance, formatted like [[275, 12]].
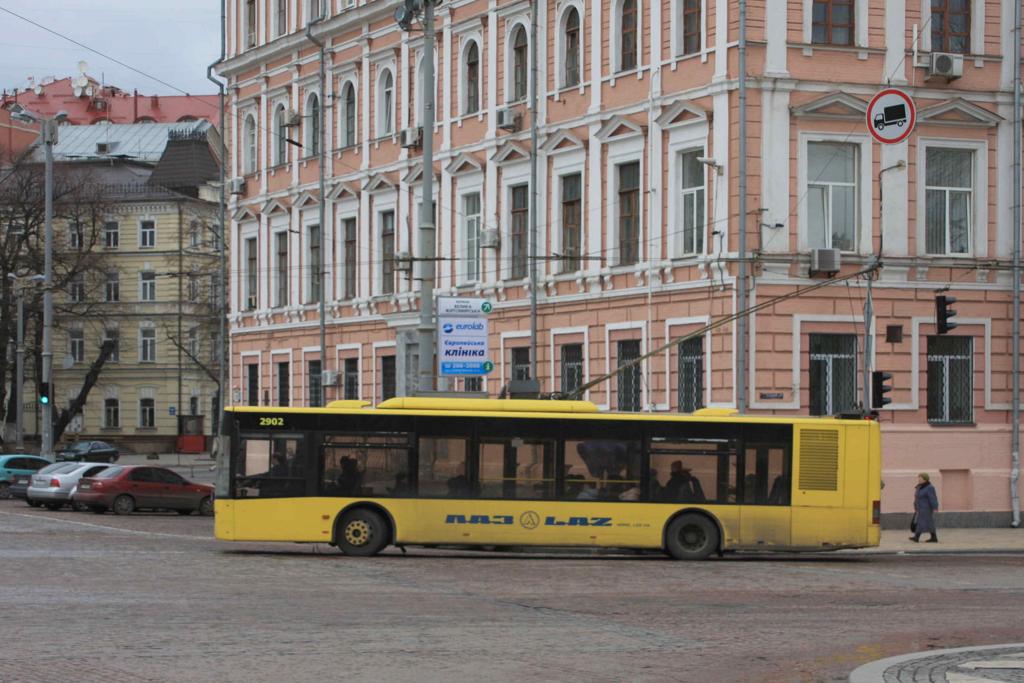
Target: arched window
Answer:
[[348, 115], [280, 137], [386, 105], [313, 130], [571, 62], [472, 79], [627, 25], [249, 135], [520, 60]]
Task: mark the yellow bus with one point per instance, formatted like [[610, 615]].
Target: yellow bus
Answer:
[[482, 472]]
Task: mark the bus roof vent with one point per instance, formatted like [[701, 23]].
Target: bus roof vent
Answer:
[[347, 405], [716, 412], [819, 460], [487, 405]]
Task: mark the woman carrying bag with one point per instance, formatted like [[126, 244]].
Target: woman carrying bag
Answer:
[[926, 504]]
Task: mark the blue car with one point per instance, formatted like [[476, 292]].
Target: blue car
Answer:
[[15, 464]]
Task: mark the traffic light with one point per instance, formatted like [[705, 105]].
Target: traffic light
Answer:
[[879, 389], [44, 393], [944, 313]]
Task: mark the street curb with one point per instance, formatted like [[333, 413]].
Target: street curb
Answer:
[[873, 672]]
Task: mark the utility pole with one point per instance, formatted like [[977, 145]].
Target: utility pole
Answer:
[[533, 192], [405, 14], [322, 230], [1015, 404], [741, 276], [20, 281]]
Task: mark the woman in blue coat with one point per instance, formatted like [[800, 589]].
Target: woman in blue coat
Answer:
[[926, 504]]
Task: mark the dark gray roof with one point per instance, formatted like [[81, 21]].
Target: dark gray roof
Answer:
[[187, 163]]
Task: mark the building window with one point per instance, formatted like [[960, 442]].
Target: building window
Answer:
[[315, 281], [351, 379], [627, 36], [147, 413], [111, 413], [387, 252], [572, 368], [251, 274], [76, 345], [471, 235], [348, 116], [387, 378], [111, 235], [950, 380], [691, 375], [832, 22], [281, 268], [147, 286], [385, 105], [571, 54], [520, 230], [951, 26], [147, 351], [572, 224], [629, 378], [75, 235], [112, 334], [313, 130], [192, 343], [949, 198], [112, 287], [833, 370], [147, 234], [475, 384], [284, 384], [691, 26], [281, 17], [280, 136], [194, 232], [629, 213], [193, 288], [316, 389], [249, 150], [521, 363], [252, 385], [250, 23], [349, 227], [472, 78], [693, 202], [520, 61], [832, 195], [76, 289]]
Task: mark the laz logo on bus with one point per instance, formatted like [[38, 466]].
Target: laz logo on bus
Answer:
[[508, 520]]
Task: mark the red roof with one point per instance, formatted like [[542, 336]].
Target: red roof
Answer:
[[109, 103], [15, 137]]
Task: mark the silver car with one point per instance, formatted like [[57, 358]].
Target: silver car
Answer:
[[52, 486]]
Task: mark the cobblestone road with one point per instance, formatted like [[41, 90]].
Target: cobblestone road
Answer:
[[151, 597]]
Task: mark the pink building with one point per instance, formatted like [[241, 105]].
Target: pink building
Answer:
[[638, 207]]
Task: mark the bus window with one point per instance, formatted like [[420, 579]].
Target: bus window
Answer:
[[443, 469], [365, 465], [766, 479], [516, 468], [270, 468], [693, 470], [602, 469]]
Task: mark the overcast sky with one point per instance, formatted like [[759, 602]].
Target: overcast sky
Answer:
[[173, 41]]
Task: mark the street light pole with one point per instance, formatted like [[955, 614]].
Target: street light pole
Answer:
[[49, 130], [20, 281], [321, 237]]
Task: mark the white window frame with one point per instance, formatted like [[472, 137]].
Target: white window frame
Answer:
[[143, 339], [385, 115], [279, 29], [464, 243], [693, 140], [115, 233], [107, 282], [677, 41], [307, 235], [143, 410], [143, 231], [829, 186], [280, 133], [977, 26], [115, 355], [562, 46], [312, 133], [979, 200], [343, 111], [147, 284], [860, 25], [614, 40], [249, 144], [466, 41], [275, 275], [621, 153], [76, 344], [510, 76], [863, 236], [344, 215], [106, 413], [378, 275]]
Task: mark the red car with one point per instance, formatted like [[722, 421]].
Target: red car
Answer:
[[126, 489]]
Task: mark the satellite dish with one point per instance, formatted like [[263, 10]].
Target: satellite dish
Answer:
[[83, 67], [88, 91], [38, 90], [78, 91]]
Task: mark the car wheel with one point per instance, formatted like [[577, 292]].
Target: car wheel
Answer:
[[362, 533], [206, 506], [32, 503], [691, 537], [79, 507], [54, 506], [124, 505], [98, 509], [5, 490]]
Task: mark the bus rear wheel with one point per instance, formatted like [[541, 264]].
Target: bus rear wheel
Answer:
[[362, 533], [691, 537]]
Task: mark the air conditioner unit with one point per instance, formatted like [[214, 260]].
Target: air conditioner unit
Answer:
[[292, 118], [944, 65], [825, 261], [238, 186], [411, 137], [508, 120], [329, 378], [490, 238], [403, 262]]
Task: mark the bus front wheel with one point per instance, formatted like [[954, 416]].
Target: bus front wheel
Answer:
[[691, 537], [362, 532]]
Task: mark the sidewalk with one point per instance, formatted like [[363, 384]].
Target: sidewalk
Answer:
[[957, 665], [952, 540]]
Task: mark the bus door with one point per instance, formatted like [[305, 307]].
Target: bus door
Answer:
[[763, 491], [818, 516]]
